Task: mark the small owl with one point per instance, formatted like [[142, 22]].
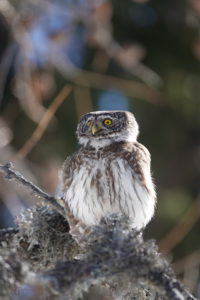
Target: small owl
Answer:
[[109, 174]]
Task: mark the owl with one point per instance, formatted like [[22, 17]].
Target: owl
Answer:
[[109, 174]]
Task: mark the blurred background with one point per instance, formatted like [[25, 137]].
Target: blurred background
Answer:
[[62, 58]]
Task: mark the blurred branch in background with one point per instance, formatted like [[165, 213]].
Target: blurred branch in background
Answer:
[[189, 267], [21, 72], [129, 56], [82, 107], [46, 118], [46, 35], [190, 261], [130, 88], [181, 229]]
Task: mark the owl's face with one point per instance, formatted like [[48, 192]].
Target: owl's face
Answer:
[[101, 128]]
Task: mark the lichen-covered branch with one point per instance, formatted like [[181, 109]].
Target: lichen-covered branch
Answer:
[[113, 263], [116, 256]]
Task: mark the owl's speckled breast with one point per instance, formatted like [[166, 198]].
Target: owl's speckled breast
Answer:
[[101, 186]]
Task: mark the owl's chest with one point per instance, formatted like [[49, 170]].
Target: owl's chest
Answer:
[[97, 187], [96, 177], [100, 177]]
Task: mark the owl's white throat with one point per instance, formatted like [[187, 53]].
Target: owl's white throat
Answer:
[[99, 142]]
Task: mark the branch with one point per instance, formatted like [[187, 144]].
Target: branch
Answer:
[[129, 87], [11, 174], [119, 258], [181, 229], [39, 131], [189, 261]]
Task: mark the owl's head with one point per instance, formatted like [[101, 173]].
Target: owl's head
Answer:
[[102, 128]]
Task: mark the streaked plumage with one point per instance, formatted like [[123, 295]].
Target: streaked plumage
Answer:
[[110, 173]]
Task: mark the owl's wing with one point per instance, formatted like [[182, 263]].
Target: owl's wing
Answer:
[[65, 178], [142, 189], [67, 172], [72, 163], [139, 159]]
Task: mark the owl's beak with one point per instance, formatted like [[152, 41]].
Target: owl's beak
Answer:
[[94, 129]]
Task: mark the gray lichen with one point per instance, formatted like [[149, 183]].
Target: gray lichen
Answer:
[[43, 238], [40, 260], [114, 262]]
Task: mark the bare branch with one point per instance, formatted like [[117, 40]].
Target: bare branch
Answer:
[[190, 261], [100, 81], [181, 229], [11, 174], [39, 131]]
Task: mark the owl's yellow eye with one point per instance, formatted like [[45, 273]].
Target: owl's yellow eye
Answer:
[[107, 122], [89, 123]]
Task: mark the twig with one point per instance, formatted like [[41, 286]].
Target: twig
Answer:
[[129, 87], [181, 229], [192, 260], [96, 80], [82, 107], [10, 174], [5, 65], [39, 131]]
